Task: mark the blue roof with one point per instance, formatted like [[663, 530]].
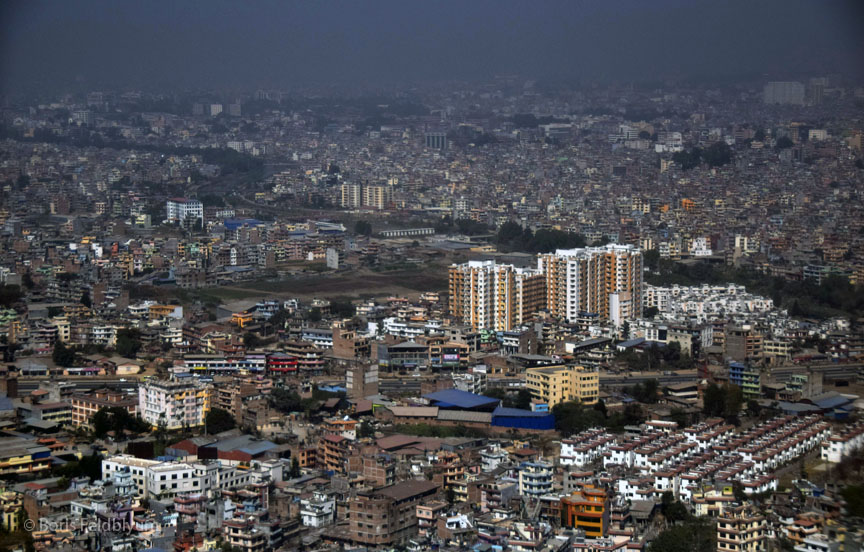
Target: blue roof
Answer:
[[6, 403], [631, 342], [832, 402], [460, 399], [234, 224], [796, 407], [518, 413]]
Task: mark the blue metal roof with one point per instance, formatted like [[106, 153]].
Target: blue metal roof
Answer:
[[460, 399], [631, 342], [831, 402]]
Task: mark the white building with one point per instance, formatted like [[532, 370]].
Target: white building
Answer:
[[318, 511], [180, 209], [174, 404]]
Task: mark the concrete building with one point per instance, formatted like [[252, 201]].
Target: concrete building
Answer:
[[783, 93], [387, 516], [86, 405], [551, 385], [742, 530], [180, 210], [176, 404], [491, 296], [606, 281]]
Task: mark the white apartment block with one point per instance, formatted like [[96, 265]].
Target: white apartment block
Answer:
[[174, 404], [182, 209]]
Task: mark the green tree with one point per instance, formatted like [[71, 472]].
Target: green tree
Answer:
[[251, 341], [695, 535], [673, 510], [854, 497], [713, 401], [63, 356], [128, 342], [219, 420], [784, 142], [717, 154], [294, 472], [651, 259], [85, 299], [365, 429], [363, 228]]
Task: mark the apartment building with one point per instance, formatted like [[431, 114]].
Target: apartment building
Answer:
[[555, 384], [742, 530], [175, 404], [86, 405], [387, 516], [535, 478], [606, 281], [491, 296], [180, 209]]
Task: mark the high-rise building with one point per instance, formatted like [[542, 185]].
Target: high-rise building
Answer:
[[490, 296], [606, 281], [436, 140], [352, 196], [378, 197], [783, 93]]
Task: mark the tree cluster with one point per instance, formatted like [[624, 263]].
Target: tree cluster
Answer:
[[722, 401], [118, 420], [512, 237], [715, 155], [694, 535], [219, 420], [574, 417]]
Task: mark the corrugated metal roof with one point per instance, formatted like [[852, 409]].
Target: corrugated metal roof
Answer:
[[465, 416], [460, 399], [419, 411]]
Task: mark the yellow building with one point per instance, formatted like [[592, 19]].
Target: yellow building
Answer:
[[556, 384], [10, 505]]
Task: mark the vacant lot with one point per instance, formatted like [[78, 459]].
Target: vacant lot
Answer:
[[362, 283]]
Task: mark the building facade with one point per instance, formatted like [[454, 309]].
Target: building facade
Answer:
[[490, 296], [174, 404], [606, 281]]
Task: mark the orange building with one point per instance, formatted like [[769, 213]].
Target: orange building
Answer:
[[587, 510]]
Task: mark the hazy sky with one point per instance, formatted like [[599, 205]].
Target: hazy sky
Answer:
[[260, 43]]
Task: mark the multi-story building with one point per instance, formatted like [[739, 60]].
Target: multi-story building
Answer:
[[741, 529], [586, 510], [351, 195], [23, 456], [377, 197], [535, 478], [606, 281], [747, 378], [490, 296], [788, 93], [387, 516], [180, 210], [174, 404], [554, 384], [86, 405]]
